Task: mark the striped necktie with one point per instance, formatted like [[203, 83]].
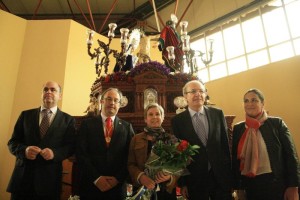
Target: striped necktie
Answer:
[[45, 123], [200, 129]]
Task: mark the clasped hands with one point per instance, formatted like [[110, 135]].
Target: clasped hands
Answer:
[[105, 183], [32, 151], [159, 178]]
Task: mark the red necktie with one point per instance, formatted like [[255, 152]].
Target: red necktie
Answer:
[[108, 130]]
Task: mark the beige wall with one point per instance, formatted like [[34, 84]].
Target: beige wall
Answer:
[[32, 52], [12, 39], [278, 81]]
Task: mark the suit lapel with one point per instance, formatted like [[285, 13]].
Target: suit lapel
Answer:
[[117, 129], [209, 119], [36, 118], [98, 127]]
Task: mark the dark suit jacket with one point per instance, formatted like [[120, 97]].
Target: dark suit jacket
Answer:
[[216, 151], [281, 149], [40, 176], [95, 159]]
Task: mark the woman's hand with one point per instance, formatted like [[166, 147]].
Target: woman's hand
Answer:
[[146, 181], [162, 177], [184, 192]]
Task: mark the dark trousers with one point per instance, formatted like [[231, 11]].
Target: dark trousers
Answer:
[[93, 193], [264, 187], [32, 197], [209, 189]]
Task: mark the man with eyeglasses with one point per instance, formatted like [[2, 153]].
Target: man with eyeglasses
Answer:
[[42, 138], [103, 144], [210, 170]]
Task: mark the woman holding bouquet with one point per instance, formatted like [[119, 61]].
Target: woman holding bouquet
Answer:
[[139, 152]]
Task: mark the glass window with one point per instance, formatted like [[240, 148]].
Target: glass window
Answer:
[[297, 46], [253, 34], [217, 71], [237, 65], [203, 75], [254, 39], [198, 45], [293, 15], [275, 26], [280, 52], [258, 59], [233, 41], [218, 47]]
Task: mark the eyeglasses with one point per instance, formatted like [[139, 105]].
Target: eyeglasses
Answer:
[[109, 99], [193, 91], [251, 101]]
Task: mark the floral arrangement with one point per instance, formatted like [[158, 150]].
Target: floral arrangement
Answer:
[[172, 158], [150, 66], [144, 67], [169, 155], [74, 197]]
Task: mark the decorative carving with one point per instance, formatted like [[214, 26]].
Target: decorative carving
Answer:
[[150, 96], [180, 102]]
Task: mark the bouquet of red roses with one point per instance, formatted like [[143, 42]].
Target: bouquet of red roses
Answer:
[[172, 158], [169, 155]]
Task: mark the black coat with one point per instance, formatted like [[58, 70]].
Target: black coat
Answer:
[[95, 159], [40, 176], [216, 151], [281, 150]]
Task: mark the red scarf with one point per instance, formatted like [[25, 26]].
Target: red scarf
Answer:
[[250, 146]]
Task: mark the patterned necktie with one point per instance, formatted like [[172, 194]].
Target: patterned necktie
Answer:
[[200, 129], [45, 123], [108, 130]]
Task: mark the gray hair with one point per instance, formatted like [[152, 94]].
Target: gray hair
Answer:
[[192, 81]]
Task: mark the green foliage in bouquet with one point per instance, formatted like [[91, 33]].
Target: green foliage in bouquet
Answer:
[[171, 158]]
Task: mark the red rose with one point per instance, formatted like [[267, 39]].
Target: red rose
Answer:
[[182, 146], [107, 79]]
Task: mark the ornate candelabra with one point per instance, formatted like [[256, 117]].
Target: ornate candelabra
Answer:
[[190, 55], [105, 48]]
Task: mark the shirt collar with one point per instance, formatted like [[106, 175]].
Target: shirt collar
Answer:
[[53, 109], [192, 112], [105, 117]]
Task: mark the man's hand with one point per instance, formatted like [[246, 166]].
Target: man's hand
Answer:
[[112, 181], [31, 152], [291, 193], [47, 154], [105, 183]]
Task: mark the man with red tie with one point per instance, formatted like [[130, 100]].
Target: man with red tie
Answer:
[[103, 143]]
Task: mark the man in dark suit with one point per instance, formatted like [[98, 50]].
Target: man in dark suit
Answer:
[[210, 171], [39, 153], [103, 150]]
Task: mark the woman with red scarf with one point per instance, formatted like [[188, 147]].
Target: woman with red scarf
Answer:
[[264, 158]]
